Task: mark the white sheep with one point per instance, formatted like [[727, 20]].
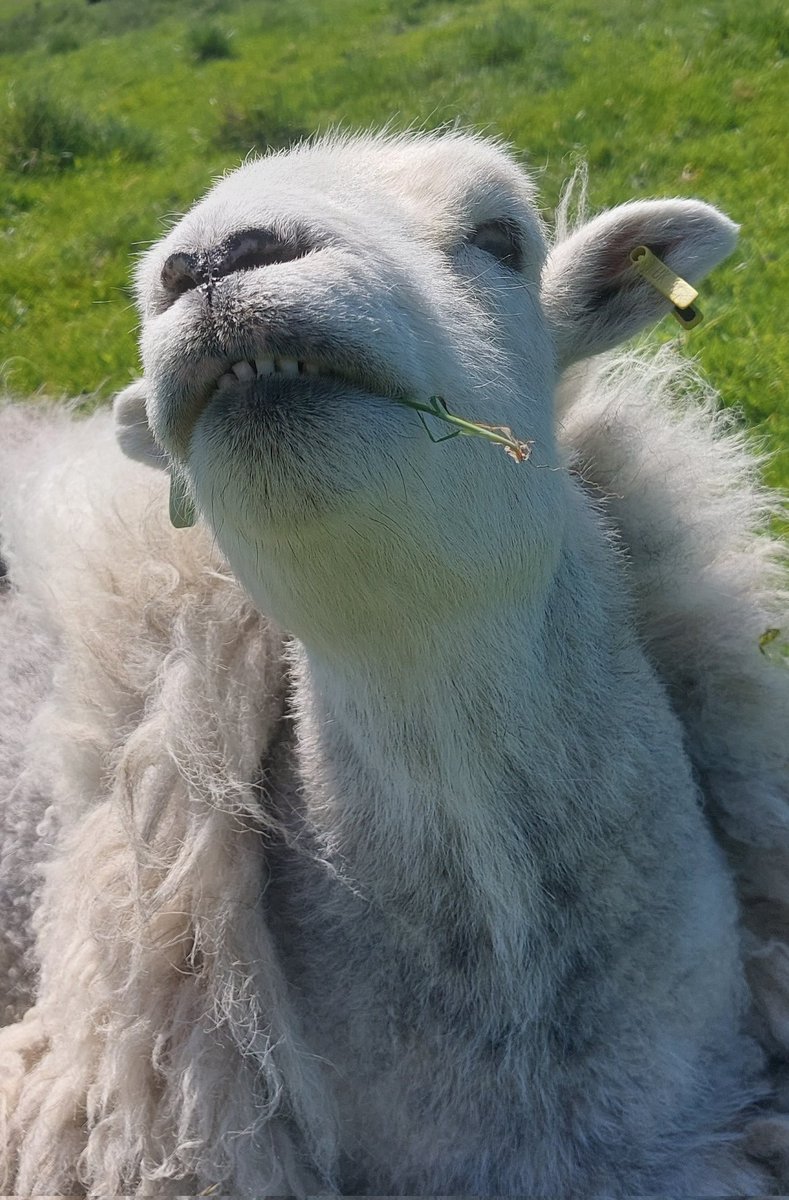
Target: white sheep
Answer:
[[417, 822]]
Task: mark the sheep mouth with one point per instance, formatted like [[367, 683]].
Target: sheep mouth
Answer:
[[281, 369], [269, 377]]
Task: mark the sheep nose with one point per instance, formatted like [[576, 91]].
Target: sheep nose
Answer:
[[243, 251], [181, 272]]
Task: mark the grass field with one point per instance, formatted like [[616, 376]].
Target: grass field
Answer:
[[116, 115]]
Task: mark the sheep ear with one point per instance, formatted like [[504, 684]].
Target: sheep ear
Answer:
[[592, 293], [132, 429]]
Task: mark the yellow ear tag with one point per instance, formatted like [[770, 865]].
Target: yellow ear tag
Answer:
[[679, 293], [182, 511]]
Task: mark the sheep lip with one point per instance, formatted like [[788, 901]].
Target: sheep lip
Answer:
[[185, 400], [268, 368], [241, 372]]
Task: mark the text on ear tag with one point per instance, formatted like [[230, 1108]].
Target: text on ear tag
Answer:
[[679, 293]]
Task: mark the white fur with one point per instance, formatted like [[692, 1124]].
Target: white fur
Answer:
[[416, 897]]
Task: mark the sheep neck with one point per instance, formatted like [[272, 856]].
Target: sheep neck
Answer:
[[408, 775]]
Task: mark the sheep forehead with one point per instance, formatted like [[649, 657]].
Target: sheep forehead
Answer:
[[441, 184]]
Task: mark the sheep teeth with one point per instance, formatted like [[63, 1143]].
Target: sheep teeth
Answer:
[[263, 367]]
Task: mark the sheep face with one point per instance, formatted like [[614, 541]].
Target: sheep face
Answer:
[[287, 314], [342, 277]]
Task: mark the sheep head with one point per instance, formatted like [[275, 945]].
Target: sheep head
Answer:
[[289, 312]]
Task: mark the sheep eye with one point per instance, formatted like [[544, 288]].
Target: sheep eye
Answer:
[[500, 240]]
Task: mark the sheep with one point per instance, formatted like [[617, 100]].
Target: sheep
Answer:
[[416, 822]]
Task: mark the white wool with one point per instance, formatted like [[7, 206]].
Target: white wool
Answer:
[[681, 486], [414, 897], [161, 833]]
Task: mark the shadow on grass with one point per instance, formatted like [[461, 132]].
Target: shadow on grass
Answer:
[[209, 42], [64, 25], [514, 35], [41, 133], [261, 127]]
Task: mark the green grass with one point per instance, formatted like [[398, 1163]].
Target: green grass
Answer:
[[122, 121], [38, 134], [208, 42]]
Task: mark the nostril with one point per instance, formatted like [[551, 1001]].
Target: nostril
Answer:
[[243, 251], [259, 248], [181, 272]]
